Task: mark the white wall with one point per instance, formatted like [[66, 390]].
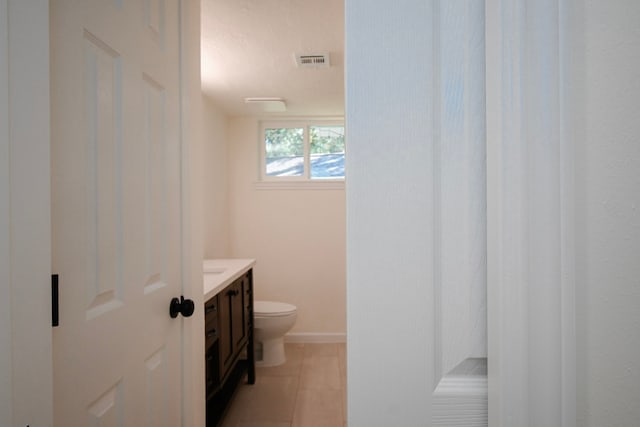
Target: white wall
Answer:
[[608, 214], [215, 171], [297, 237], [26, 380]]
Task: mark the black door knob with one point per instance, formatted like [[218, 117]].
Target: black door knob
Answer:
[[181, 306]]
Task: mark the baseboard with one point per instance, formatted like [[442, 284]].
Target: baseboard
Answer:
[[316, 337]]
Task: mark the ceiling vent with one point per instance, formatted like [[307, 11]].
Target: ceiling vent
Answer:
[[313, 60]]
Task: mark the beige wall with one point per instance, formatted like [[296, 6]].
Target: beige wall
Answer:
[[297, 237], [215, 172]]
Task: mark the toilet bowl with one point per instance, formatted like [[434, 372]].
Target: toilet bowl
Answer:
[[271, 321]]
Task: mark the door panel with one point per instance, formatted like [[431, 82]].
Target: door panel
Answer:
[[103, 100], [107, 409], [116, 211]]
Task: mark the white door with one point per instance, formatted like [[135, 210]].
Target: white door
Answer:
[[416, 228], [116, 209]]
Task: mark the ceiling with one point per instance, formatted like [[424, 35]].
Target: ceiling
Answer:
[[249, 48]]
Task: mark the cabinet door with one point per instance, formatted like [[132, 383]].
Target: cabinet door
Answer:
[[238, 322], [212, 356], [233, 321], [225, 325]]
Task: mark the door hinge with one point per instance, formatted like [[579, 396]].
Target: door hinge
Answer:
[[54, 301]]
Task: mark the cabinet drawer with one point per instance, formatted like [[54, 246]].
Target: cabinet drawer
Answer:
[[211, 328], [211, 307], [211, 335]]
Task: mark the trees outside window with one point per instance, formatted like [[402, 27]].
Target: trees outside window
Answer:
[[303, 150]]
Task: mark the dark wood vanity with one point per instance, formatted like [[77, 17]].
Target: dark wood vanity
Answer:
[[229, 351]]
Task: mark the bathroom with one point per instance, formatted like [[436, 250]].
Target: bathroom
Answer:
[[294, 230], [573, 350]]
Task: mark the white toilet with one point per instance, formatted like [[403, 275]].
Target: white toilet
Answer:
[[271, 321]]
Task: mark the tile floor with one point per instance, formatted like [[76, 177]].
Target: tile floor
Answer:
[[309, 390]]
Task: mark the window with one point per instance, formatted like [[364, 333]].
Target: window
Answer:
[[302, 151]]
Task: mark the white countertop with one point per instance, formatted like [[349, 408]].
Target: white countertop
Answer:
[[219, 273]]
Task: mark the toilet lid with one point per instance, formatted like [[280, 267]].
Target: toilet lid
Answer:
[[272, 308]]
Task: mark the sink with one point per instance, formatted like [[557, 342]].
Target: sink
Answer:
[[214, 270], [218, 273]]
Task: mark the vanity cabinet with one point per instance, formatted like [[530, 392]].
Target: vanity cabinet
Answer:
[[229, 352]]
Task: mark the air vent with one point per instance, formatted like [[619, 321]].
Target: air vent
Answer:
[[313, 60]]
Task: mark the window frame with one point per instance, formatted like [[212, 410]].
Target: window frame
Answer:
[[304, 180]]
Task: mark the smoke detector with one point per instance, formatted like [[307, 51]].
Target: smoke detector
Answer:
[[314, 60]]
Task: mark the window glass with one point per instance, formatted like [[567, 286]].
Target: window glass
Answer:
[[326, 151], [302, 150], [284, 151]]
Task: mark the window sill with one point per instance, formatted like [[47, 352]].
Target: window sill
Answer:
[[299, 185]]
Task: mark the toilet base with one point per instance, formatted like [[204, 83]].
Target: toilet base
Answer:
[[272, 353]]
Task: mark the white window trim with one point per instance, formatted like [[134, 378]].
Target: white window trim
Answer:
[[304, 182], [287, 184]]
